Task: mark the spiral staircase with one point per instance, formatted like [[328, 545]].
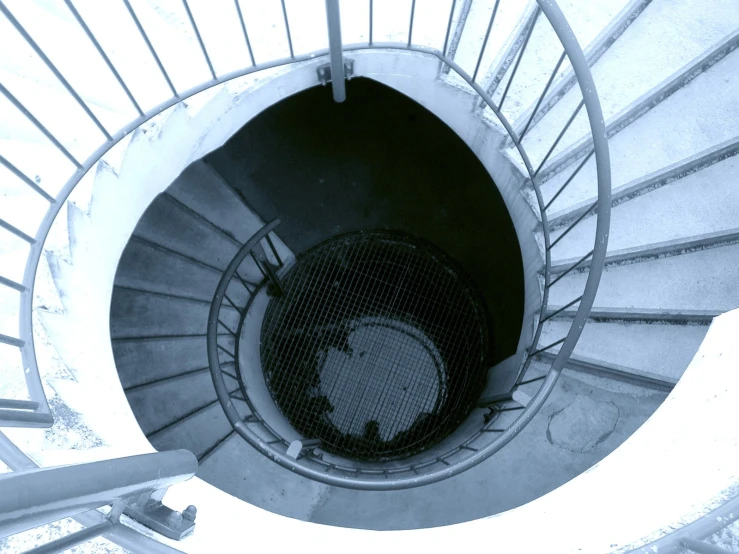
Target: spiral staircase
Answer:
[[612, 412]]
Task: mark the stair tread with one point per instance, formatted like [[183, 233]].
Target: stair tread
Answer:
[[647, 144], [684, 25], [138, 313], [240, 470], [665, 350], [143, 360], [700, 280], [698, 204], [197, 434], [161, 404], [165, 223], [203, 190]]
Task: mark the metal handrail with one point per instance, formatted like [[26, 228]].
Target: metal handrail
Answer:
[[32, 497], [419, 474], [39, 414]]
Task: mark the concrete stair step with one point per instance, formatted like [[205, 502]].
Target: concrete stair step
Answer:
[[198, 433], [163, 404], [646, 146], [143, 360], [137, 313], [595, 24], [700, 204], [166, 223], [662, 350], [238, 469], [664, 51], [204, 191], [702, 280], [13, 255]]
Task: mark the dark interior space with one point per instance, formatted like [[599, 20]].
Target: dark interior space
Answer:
[[379, 161]]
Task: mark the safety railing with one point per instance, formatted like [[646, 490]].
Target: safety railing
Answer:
[[489, 437], [133, 486]]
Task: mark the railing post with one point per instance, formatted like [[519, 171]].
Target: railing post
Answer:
[[333, 19]]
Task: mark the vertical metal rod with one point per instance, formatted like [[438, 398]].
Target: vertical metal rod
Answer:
[[569, 179], [287, 30], [103, 55], [449, 27], [17, 232], [543, 94], [485, 40], [67, 542], [246, 35], [40, 53], [371, 18], [520, 56], [200, 39], [151, 48], [410, 26], [18, 173], [559, 137], [333, 19]]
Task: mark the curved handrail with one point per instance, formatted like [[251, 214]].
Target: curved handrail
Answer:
[[39, 415]]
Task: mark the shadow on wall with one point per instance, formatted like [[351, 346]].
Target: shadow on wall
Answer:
[[379, 161]]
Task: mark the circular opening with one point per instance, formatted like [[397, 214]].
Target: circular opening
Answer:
[[377, 346]]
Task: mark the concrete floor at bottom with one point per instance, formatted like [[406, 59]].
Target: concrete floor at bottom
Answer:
[[584, 419]]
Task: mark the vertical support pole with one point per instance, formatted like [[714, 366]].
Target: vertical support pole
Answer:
[[333, 18]]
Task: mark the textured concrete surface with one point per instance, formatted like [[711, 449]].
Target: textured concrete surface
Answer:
[[656, 348], [197, 433], [702, 280], [699, 203], [379, 160], [649, 143], [685, 25]]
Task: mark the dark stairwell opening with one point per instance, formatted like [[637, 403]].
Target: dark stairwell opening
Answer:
[[376, 186]]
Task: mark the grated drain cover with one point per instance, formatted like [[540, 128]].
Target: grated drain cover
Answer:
[[377, 346]]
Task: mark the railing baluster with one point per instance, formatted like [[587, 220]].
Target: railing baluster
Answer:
[[287, 30], [11, 284], [18, 173], [560, 310], [54, 70], [571, 227], [449, 27], [274, 251], [243, 29], [150, 46], [227, 328], [569, 179], [227, 352], [485, 40], [559, 137], [410, 26], [40, 126], [560, 341], [571, 268], [200, 39], [537, 11], [543, 94], [12, 341], [68, 541], [103, 55], [225, 296], [17, 232], [534, 380]]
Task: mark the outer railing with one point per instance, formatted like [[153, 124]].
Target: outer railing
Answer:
[[133, 486], [490, 438]]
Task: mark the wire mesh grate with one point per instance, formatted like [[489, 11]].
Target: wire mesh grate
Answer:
[[377, 347]]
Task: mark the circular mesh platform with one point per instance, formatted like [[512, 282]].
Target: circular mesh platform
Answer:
[[377, 347]]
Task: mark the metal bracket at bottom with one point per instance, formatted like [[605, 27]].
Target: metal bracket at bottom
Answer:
[[151, 513], [324, 71]]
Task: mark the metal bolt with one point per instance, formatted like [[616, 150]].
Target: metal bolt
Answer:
[[174, 519], [190, 513]]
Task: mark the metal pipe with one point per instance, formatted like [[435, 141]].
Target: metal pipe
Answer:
[[37, 497], [333, 20], [65, 543]]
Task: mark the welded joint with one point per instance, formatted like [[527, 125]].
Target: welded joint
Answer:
[[297, 446], [324, 72], [149, 511]]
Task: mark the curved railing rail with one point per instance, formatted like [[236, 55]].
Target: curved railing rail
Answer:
[[489, 439]]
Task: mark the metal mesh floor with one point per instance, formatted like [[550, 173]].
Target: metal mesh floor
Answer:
[[377, 347]]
